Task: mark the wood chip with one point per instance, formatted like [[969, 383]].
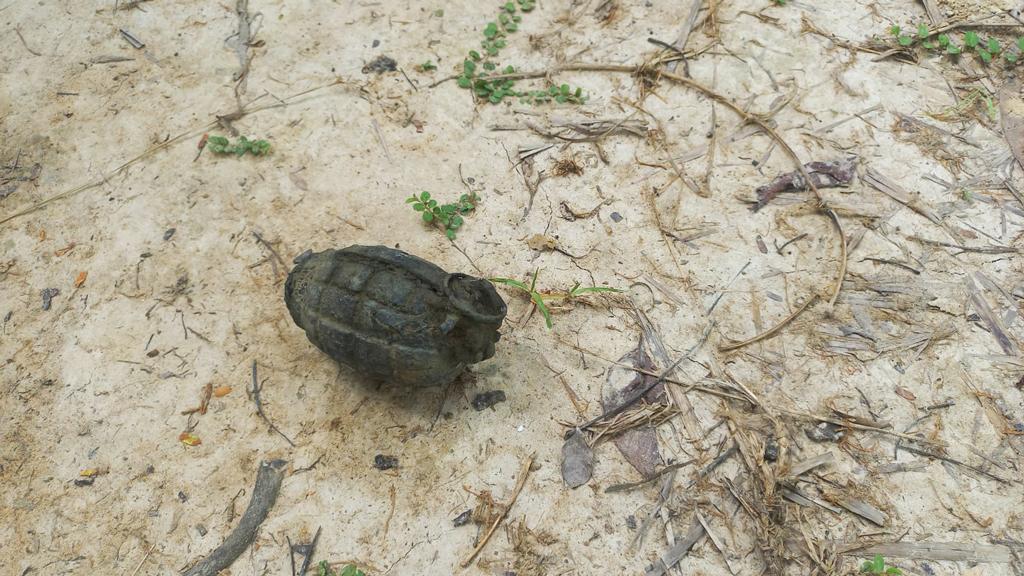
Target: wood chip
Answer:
[[934, 551]]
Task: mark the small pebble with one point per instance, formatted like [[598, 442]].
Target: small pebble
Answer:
[[825, 432], [462, 519], [631, 522], [201, 529], [382, 462], [48, 295], [376, 43], [182, 496], [616, 217], [771, 450], [85, 481], [488, 399], [170, 232]]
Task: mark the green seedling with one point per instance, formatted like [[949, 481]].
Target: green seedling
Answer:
[[539, 298], [986, 49], [427, 66], [324, 569], [535, 296], [221, 145], [448, 217], [877, 566], [492, 82]]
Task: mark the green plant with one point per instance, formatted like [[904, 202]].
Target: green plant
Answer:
[[221, 145], [877, 566], [491, 81], [446, 216], [324, 569], [986, 50], [539, 298], [427, 66]]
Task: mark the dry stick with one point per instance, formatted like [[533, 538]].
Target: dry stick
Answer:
[[259, 406], [687, 386], [264, 494], [268, 246], [855, 426], [771, 331], [746, 116], [650, 386], [144, 558], [523, 473], [23, 43]]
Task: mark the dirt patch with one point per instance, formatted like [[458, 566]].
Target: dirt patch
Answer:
[[107, 465]]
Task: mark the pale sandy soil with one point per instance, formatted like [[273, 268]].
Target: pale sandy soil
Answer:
[[100, 380]]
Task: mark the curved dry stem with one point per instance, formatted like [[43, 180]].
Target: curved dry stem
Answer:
[[651, 70], [771, 331]]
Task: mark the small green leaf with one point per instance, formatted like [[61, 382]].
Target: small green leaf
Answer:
[[464, 82], [424, 196], [418, 207], [993, 45], [928, 44], [428, 217], [491, 30], [971, 39], [1020, 42], [468, 67], [1011, 57], [500, 43], [985, 55], [489, 66], [474, 55], [943, 40], [922, 31], [894, 30], [952, 49], [542, 307], [905, 40], [510, 282], [561, 98], [510, 69], [511, 27], [450, 234]]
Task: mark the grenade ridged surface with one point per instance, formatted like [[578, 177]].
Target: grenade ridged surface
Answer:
[[391, 315]]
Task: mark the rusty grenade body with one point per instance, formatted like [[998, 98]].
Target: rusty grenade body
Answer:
[[393, 316]]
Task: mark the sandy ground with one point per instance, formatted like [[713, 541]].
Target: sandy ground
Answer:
[[180, 294]]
